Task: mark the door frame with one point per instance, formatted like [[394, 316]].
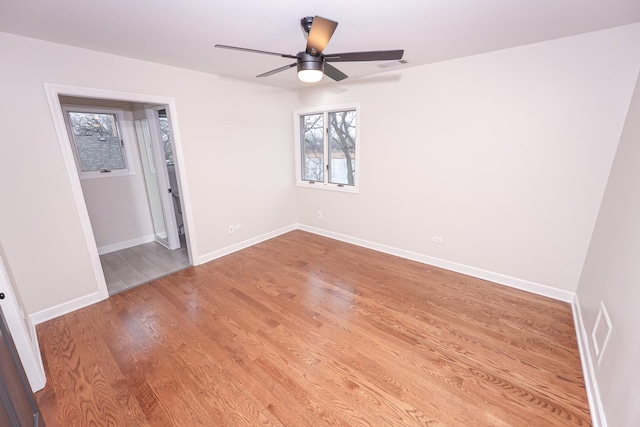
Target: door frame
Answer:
[[26, 343], [53, 92]]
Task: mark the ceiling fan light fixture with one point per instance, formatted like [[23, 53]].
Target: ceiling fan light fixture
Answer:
[[310, 76], [310, 69]]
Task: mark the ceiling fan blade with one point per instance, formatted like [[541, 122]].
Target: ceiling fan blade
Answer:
[[277, 70], [334, 73], [264, 52], [374, 55], [321, 31]]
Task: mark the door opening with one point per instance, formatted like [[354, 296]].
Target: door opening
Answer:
[[102, 270], [123, 164]]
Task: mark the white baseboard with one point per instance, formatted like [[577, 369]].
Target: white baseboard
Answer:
[[244, 244], [598, 417], [595, 403], [41, 380], [126, 244], [64, 308], [536, 288]]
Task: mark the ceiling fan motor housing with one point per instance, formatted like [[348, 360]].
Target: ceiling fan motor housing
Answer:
[[310, 62]]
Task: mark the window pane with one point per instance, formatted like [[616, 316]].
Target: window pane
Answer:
[[342, 147], [97, 140], [312, 141], [165, 132]]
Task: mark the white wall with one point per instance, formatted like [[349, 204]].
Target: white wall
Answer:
[[611, 275], [118, 206], [236, 145], [505, 155]]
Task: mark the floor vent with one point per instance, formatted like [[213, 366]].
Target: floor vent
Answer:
[[601, 332]]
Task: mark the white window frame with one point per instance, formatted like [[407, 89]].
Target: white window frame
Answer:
[[121, 119], [326, 185]]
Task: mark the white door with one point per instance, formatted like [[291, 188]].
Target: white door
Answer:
[[26, 344], [163, 155], [150, 173]]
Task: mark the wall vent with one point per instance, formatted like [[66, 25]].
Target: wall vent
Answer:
[[601, 332]]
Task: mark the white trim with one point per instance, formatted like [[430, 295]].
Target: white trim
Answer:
[[162, 173], [598, 417], [39, 384], [595, 404], [181, 177], [53, 96], [328, 186], [160, 241], [126, 244], [245, 244], [64, 308], [24, 341], [525, 285], [87, 300], [53, 92], [535, 288]]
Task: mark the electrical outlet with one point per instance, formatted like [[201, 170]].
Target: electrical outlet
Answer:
[[231, 230], [319, 214], [237, 227], [437, 239]]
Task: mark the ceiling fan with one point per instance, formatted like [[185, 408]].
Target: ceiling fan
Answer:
[[312, 63]]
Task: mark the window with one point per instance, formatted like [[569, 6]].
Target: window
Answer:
[[326, 148], [165, 133], [97, 143]]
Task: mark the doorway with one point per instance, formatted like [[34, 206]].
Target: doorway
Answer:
[[142, 250], [130, 187]]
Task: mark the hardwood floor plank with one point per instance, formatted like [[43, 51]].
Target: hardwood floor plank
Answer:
[[303, 330], [194, 339], [387, 383]]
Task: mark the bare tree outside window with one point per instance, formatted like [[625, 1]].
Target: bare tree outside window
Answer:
[[93, 124], [97, 141], [165, 133], [342, 147], [312, 141]]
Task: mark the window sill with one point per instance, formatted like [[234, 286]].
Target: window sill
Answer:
[[112, 174], [328, 187]]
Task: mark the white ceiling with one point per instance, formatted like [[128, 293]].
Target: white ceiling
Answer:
[[183, 32]]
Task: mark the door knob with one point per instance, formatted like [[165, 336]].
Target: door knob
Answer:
[[1, 295]]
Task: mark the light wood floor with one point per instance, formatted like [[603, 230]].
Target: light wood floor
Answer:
[[306, 331], [128, 268]]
